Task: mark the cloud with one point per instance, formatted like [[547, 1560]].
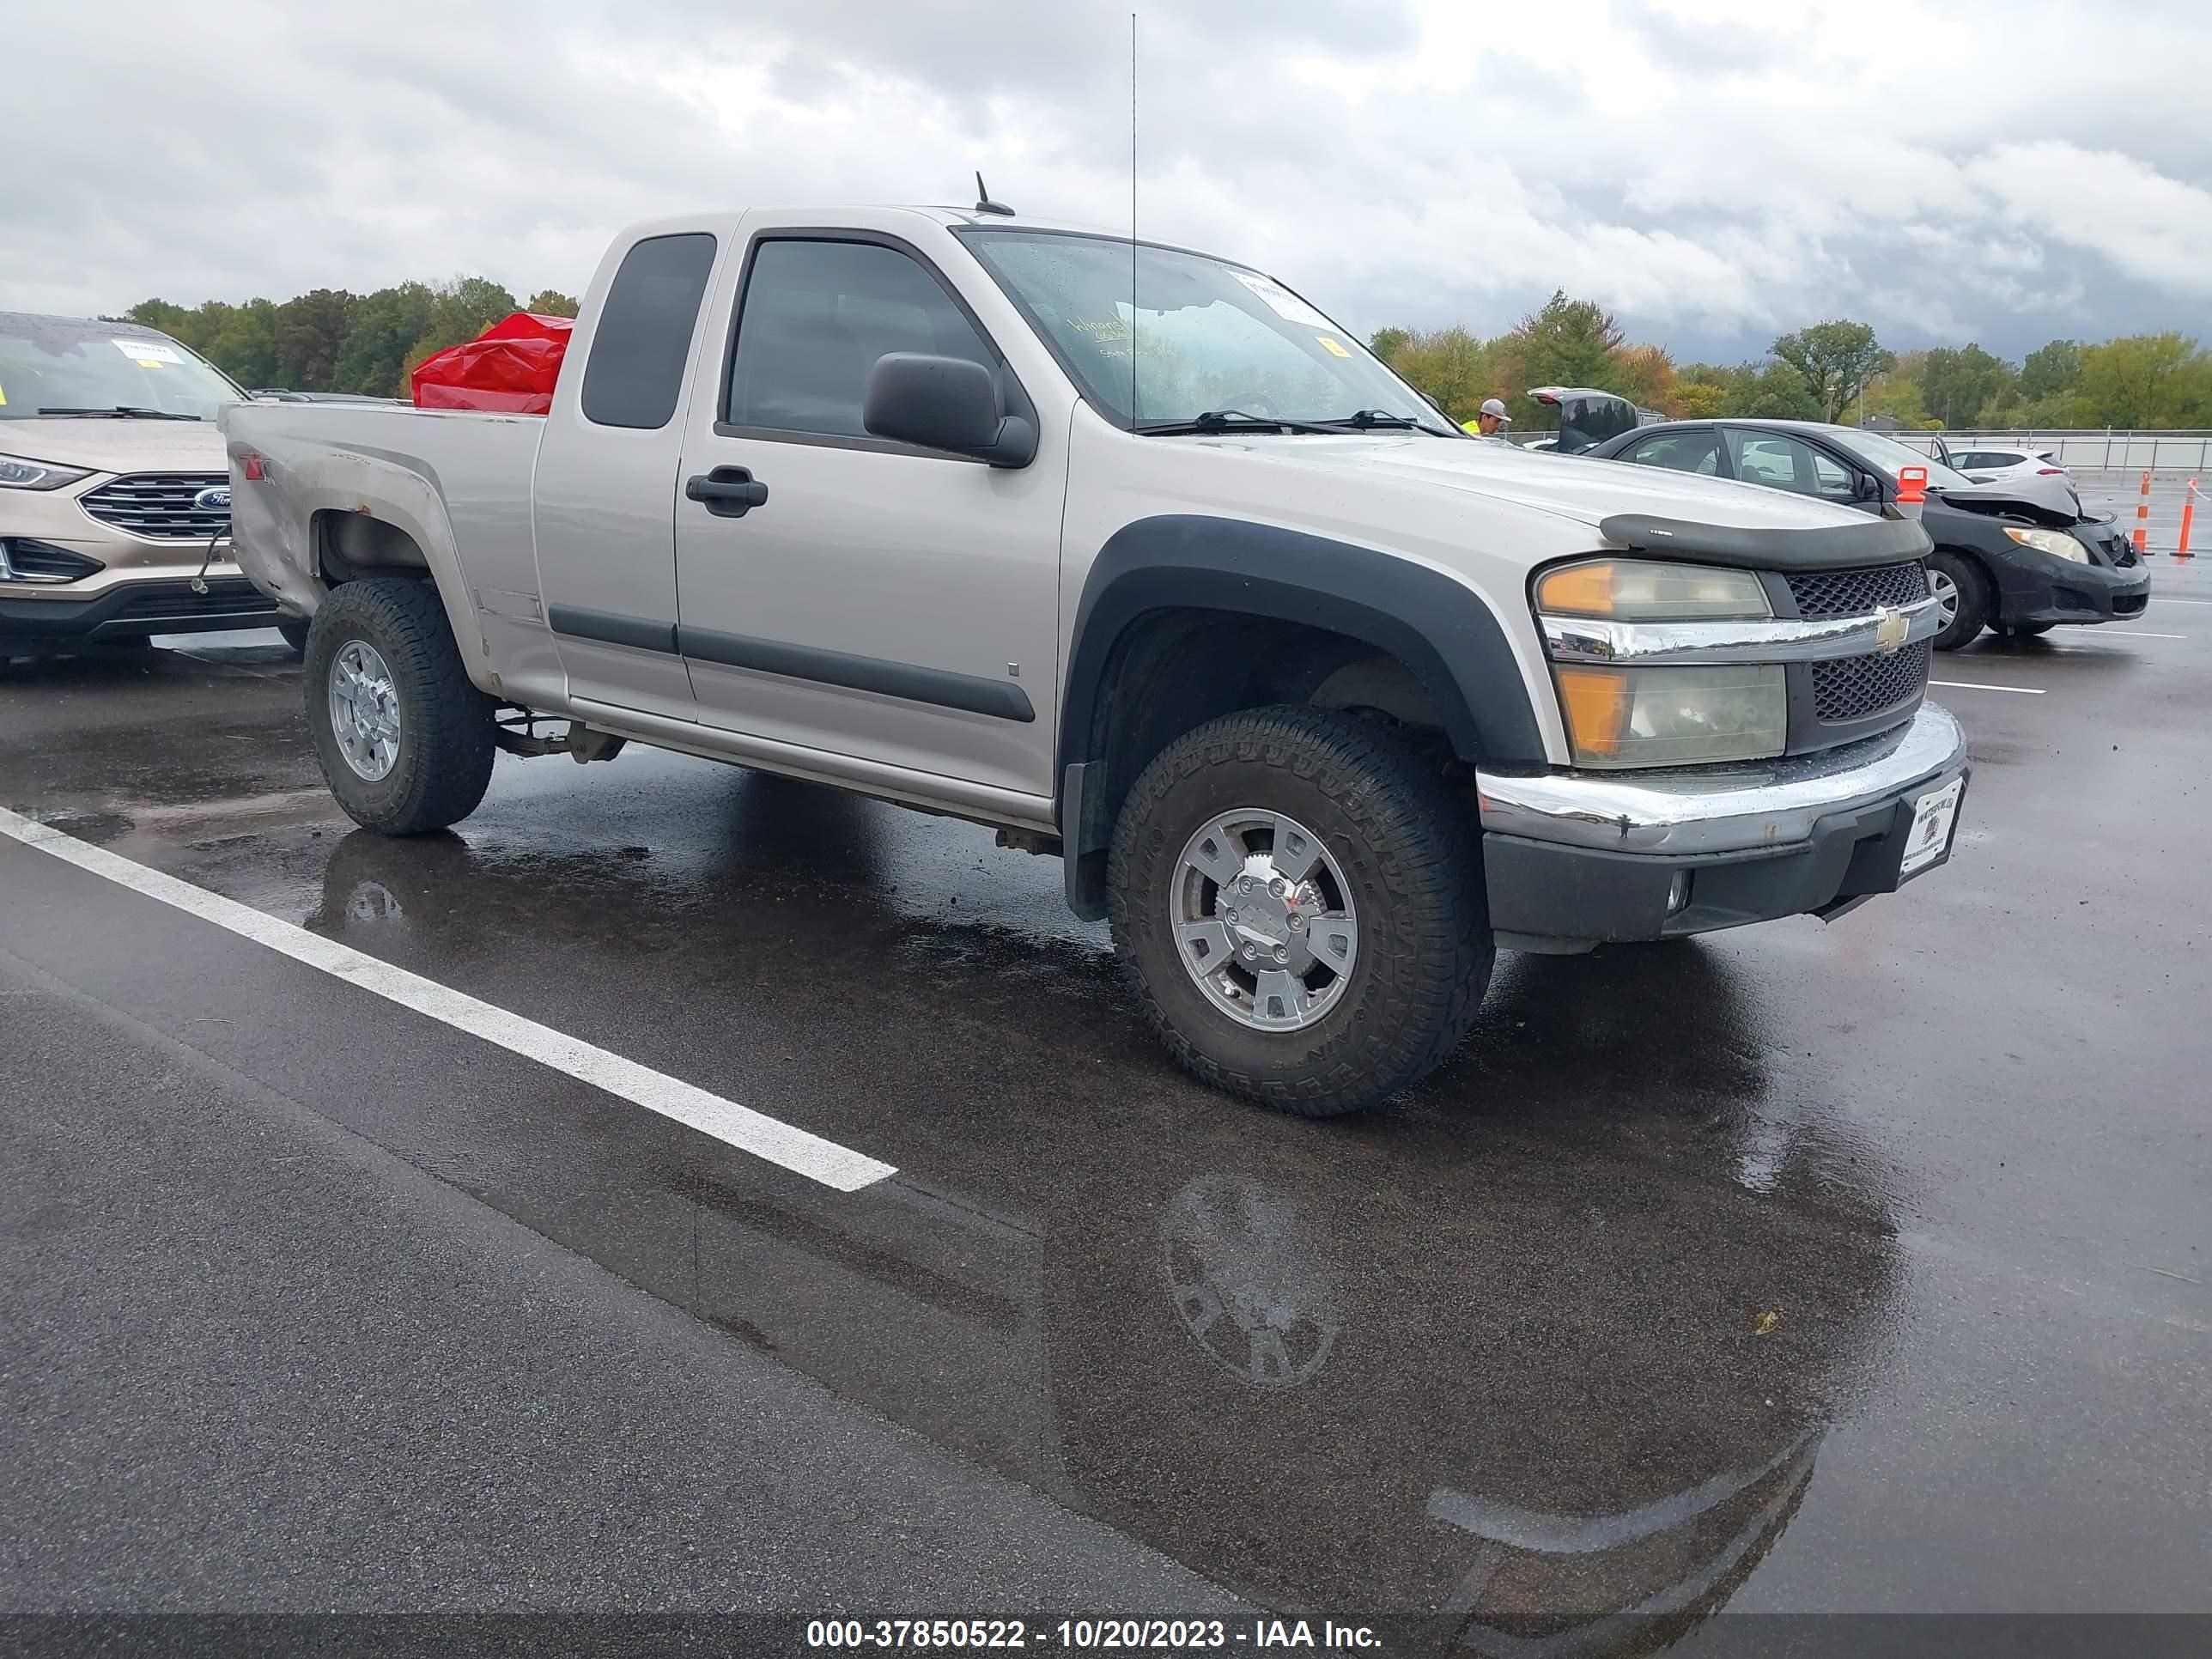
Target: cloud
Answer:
[[1945, 170]]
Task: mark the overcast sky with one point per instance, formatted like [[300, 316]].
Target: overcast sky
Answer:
[[1714, 173]]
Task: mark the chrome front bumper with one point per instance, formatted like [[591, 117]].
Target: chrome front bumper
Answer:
[[1721, 808]]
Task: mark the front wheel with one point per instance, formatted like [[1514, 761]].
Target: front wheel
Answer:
[[404, 740], [1962, 598], [1299, 901]]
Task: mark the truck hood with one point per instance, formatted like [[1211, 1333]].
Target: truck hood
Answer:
[[117, 445], [1571, 486]]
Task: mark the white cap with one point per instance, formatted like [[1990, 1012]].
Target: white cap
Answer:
[[1495, 406]]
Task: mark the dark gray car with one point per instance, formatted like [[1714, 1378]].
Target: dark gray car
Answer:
[[2015, 564]]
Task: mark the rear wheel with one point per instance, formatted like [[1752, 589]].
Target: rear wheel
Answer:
[[1962, 598], [404, 740], [1299, 901]]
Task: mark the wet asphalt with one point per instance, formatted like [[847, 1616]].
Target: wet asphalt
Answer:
[[1854, 1267]]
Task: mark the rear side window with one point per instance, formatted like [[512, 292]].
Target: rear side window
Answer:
[[1786, 463], [818, 315], [644, 336], [1680, 451]]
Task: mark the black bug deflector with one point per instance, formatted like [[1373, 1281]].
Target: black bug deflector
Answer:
[[1832, 547]]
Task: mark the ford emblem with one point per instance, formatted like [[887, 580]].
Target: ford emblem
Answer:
[[214, 499]]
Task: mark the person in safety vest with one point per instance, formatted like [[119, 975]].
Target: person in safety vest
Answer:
[[1491, 421]]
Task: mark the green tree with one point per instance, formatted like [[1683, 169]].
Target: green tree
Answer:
[[1644, 374], [1386, 343], [174, 321], [2050, 371], [1567, 342], [2146, 380], [240, 340], [1958, 386], [460, 310], [381, 330], [306, 334], [1700, 400], [551, 302], [1456, 368], [1775, 392], [1833, 361]]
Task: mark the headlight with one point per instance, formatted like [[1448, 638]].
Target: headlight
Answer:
[[2057, 543], [1636, 590], [1683, 715], [1678, 716], [21, 472]]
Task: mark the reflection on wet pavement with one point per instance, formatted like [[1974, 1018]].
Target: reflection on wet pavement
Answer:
[[1540, 1360]]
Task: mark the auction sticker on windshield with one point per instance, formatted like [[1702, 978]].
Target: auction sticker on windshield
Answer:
[[1281, 301], [147, 353], [1933, 816]]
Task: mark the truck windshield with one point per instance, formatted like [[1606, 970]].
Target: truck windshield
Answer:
[[1210, 339], [48, 365]]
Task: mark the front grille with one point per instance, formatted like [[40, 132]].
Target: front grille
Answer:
[[1822, 594], [160, 506], [43, 560], [1852, 688], [226, 596]]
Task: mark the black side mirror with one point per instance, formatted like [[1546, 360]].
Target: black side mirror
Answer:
[[944, 402]]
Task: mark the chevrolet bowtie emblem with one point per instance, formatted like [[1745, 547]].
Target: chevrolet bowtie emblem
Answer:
[[1889, 633]]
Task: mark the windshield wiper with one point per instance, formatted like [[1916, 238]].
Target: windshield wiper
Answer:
[[1230, 420], [123, 412], [1368, 420]]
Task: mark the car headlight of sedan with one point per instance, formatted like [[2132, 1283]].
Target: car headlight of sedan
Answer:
[[22, 472], [1664, 715], [2056, 543]]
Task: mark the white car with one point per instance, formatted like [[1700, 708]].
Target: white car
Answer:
[[2008, 465]]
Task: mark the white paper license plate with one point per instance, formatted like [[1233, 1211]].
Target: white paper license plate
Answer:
[[1933, 816]]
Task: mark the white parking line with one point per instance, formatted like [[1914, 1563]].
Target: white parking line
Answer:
[[2168, 598], [1972, 685], [764, 1137], [2138, 633]]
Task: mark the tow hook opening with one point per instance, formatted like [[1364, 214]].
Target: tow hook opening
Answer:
[[517, 733]]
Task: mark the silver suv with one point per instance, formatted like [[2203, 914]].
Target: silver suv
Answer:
[[113, 489]]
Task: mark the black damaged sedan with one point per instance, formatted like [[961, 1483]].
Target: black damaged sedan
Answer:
[[2009, 556]]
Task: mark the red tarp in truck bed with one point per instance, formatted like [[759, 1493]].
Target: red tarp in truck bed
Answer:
[[509, 368]]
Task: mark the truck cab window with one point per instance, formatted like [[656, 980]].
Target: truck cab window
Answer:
[[817, 316], [643, 341]]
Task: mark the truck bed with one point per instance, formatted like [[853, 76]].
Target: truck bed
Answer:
[[448, 479]]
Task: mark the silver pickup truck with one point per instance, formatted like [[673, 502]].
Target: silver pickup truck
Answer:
[[1136, 555]]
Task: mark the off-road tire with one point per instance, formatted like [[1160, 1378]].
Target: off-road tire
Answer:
[[1411, 852], [1973, 588], [443, 762]]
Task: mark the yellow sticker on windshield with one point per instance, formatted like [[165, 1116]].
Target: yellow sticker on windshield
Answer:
[[4, 397], [1336, 349]]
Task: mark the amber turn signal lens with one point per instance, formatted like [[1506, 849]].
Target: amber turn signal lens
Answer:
[[1596, 704], [1580, 590]]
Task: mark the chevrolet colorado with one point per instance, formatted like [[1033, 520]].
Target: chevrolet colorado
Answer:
[[1131, 552]]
